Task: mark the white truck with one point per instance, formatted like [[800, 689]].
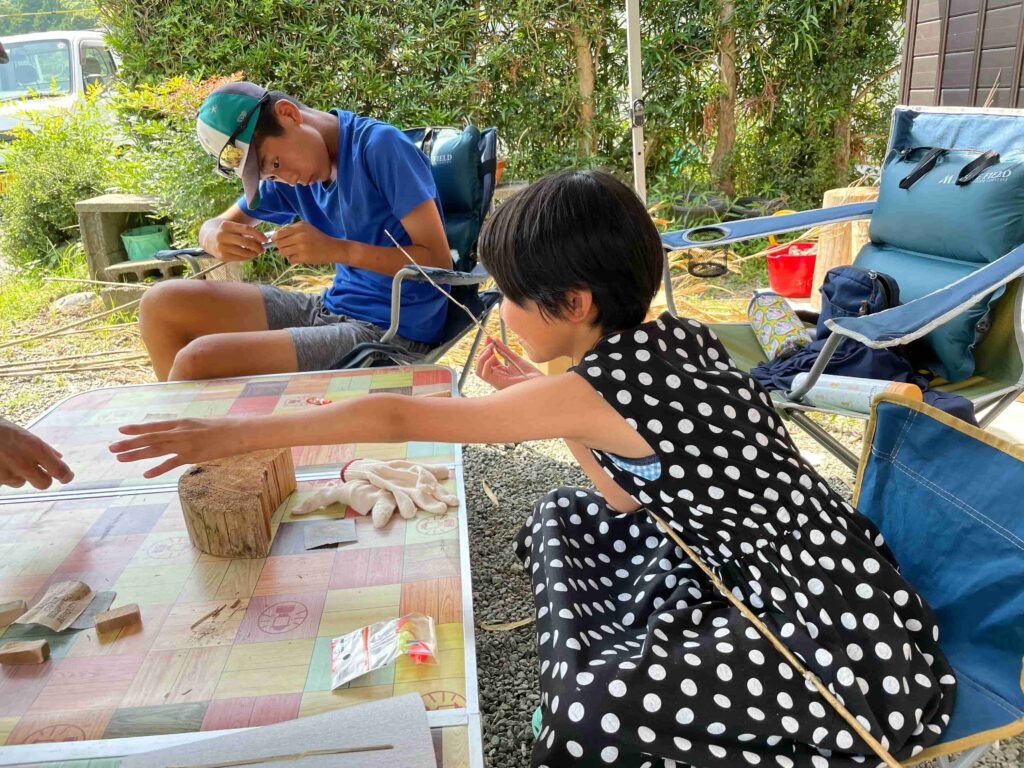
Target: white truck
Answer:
[[48, 71]]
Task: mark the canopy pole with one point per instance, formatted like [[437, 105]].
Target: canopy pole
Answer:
[[636, 122], [636, 97]]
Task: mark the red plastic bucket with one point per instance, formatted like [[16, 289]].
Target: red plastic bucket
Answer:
[[791, 268]]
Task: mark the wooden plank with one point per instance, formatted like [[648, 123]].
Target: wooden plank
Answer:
[[125, 616], [24, 652]]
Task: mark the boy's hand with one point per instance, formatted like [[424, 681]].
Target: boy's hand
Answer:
[[26, 458], [231, 240], [302, 243], [501, 375], [186, 441]]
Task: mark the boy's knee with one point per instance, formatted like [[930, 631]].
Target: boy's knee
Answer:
[[170, 301], [193, 361]]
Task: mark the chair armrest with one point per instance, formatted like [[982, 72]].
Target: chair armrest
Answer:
[[908, 322], [747, 229], [447, 276], [441, 276]]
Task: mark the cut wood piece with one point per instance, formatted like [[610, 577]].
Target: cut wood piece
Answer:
[[10, 611], [116, 618], [25, 652], [228, 503], [839, 244]]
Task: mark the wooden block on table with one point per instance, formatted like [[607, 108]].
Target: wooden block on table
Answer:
[[228, 503], [118, 617], [25, 652], [10, 611]]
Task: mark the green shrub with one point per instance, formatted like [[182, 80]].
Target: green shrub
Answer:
[[64, 159], [163, 159]]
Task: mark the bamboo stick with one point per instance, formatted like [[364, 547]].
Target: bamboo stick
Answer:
[[53, 360], [69, 371], [100, 316], [84, 281]]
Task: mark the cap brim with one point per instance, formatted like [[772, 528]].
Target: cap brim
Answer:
[[250, 174]]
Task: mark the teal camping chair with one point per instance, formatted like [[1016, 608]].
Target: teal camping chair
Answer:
[[464, 164], [946, 497], [948, 225]]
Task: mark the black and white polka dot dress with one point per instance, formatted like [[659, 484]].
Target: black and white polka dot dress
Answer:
[[644, 662]]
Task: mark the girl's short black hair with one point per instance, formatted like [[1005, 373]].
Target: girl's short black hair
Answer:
[[574, 230]]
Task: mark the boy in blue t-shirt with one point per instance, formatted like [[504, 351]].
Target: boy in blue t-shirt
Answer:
[[334, 182]]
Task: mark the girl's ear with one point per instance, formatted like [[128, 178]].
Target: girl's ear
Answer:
[[580, 306]]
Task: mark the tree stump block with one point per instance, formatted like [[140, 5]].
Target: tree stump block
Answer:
[[228, 503]]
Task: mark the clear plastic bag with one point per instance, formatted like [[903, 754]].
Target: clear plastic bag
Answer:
[[378, 645]]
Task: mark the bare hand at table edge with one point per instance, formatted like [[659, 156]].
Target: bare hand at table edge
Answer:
[[500, 375], [27, 458]]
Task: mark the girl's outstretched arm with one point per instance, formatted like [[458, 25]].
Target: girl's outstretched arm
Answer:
[[557, 406]]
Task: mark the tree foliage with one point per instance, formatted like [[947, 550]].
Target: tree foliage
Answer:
[[809, 92], [20, 16]]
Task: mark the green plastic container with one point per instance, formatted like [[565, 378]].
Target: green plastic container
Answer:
[[142, 242]]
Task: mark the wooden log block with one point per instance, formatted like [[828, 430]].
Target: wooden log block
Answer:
[[839, 244], [126, 615], [25, 652], [10, 611], [228, 503]]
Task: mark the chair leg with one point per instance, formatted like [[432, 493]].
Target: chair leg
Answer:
[[998, 407], [826, 440], [472, 353], [970, 757]]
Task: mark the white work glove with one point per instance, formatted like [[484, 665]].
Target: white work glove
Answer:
[[378, 488]]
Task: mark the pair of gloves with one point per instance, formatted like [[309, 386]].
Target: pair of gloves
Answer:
[[378, 488]]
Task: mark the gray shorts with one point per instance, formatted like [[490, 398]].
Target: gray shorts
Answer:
[[321, 338]]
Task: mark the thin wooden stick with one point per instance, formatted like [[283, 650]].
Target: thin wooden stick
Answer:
[[132, 363], [451, 298], [292, 757], [100, 316], [131, 327], [54, 360], [84, 281], [77, 324], [781, 648]]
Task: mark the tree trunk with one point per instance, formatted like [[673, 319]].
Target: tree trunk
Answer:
[[587, 141], [728, 80], [841, 129]]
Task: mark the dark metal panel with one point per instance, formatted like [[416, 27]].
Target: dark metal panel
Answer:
[[958, 50]]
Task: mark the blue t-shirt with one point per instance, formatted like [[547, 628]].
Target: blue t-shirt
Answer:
[[381, 177]]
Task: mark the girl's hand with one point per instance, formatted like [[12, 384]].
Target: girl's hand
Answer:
[[501, 375], [186, 441]]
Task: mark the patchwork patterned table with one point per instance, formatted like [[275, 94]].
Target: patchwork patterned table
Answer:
[[264, 656]]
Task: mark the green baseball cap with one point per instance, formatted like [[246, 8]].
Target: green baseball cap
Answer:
[[225, 126]]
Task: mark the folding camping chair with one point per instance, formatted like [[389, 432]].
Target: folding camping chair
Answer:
[[939, 275], [945, 496], [463, 162]]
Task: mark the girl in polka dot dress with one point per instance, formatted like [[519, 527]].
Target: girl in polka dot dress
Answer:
[[643, 661]]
